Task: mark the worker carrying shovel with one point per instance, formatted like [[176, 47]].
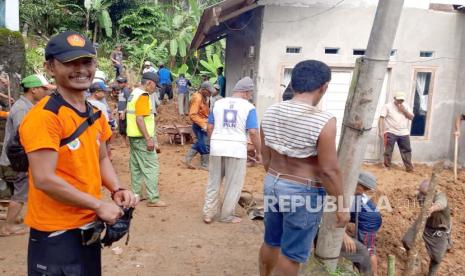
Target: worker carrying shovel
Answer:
[[437, 229]]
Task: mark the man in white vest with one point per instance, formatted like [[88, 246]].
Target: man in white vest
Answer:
[[141, 133], [228, 124]]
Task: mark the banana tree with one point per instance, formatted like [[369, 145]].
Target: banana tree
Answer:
[[211, 64], [179, 30], [97, 11]]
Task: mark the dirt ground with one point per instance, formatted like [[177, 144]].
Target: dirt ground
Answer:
[[175, 241]]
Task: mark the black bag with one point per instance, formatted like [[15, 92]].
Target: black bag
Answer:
[[18, 157], [116, 231]]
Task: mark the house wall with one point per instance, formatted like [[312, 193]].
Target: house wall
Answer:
[[9, 14], [460, 100], [240, 61], [348, 27]]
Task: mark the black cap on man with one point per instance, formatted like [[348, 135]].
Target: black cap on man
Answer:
[[69, 46]]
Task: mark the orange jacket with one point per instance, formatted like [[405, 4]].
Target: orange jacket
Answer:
[[198, 110]]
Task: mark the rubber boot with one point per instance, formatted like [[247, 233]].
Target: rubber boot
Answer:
[[189, 156], [204, 162]]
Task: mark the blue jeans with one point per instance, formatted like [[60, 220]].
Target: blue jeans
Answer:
[[202, 145], [292, 216]]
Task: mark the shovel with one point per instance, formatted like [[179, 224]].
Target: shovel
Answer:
[[456, 153]]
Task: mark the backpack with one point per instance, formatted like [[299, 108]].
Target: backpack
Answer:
[[18, 156]]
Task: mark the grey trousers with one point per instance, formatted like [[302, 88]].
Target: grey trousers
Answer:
[[233, 171], [183, 103], [436, 243], [360, 258]]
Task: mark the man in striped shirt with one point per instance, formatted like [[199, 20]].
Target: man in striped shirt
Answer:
[[299, 155]]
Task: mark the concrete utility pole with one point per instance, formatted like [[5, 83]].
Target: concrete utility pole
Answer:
[[359, 113]]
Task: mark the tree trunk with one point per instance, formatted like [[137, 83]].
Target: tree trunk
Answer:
[[358, 118], [25, 30], [95, 31], [87, 20]]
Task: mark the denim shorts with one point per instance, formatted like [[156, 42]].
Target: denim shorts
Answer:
[[292, 216]]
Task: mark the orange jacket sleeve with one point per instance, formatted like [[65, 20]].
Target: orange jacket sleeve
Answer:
[[194, 111]]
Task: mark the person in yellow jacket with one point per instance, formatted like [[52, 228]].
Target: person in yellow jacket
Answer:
[[141, 133]]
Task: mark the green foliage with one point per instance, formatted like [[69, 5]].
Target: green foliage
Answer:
[[179, 29], [212, 63], [104, 64], [142, 23], [147, 31], [34, 60], [47, 17], [6, 34], [97, 11], [105, 22]]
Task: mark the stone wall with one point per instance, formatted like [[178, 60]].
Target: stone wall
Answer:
[[12, 59]]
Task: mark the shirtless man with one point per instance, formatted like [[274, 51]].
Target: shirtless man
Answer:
[[299, 155]]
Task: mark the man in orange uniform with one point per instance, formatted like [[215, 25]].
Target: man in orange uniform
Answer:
[[65, 177]]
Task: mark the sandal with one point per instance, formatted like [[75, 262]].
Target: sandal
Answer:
[[232, 219]]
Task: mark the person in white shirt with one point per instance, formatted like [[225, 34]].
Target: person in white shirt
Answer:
[[97, 94], [149, 68], [394, 128], [228, 124]]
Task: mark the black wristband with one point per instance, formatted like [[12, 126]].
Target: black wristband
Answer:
[[114, 192]]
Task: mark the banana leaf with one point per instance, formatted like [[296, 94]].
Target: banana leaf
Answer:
[[105, 22], [182, 47], [173, 47]]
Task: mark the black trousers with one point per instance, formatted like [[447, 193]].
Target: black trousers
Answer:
[[403, 142], [63, 254], [166, 89]]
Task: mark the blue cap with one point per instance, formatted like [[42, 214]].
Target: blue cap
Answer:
[[99, 86]]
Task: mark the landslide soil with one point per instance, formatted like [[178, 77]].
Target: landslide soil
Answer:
[[175, 241]]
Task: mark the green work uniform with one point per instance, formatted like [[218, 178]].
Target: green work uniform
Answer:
[[143, 163]]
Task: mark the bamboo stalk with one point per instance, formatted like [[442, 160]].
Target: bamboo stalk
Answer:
[[391, 265]]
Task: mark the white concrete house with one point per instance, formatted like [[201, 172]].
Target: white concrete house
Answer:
[[9, 14], [265, 39]]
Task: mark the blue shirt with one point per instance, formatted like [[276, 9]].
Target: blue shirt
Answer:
[[369, 218], [165, 76], [182, 85], [222, 83], [250, 123]]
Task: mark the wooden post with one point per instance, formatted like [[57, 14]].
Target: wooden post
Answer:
[[419, 226], [9, 91], [456, 154], [391, 265], [359, 113]]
